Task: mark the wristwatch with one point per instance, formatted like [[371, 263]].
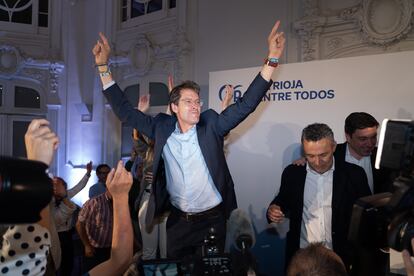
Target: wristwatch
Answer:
[[274, 62], [104, 73]]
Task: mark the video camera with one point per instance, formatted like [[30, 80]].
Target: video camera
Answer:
[[25, 189], [212, 261], [387, 219]]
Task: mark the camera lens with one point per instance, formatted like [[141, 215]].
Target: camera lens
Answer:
[[25, 189]]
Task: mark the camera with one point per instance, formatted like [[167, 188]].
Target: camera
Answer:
[[211, 262], [387, 219], [25, 189]]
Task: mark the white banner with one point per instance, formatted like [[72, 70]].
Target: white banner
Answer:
[[304, 93]]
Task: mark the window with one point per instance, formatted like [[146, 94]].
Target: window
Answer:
[[28, 12], [26, 97], [19, 129], [132, 93], [159, 95], [20, 102], [43, 13], [144, 10]]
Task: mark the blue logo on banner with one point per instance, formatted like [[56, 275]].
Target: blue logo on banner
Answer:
[[286, 90]]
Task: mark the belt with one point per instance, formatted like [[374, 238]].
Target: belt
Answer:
[[190, 216]]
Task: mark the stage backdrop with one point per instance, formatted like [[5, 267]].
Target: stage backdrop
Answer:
[[303, 93]]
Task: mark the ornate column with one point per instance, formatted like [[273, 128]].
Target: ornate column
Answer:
[[309, 29]]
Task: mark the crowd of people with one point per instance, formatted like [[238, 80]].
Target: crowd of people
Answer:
[[183, 188]]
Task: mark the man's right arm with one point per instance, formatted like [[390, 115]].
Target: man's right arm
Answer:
[[121, 106]]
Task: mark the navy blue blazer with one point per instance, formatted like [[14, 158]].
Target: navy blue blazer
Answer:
[[211, 130], [349, 184]]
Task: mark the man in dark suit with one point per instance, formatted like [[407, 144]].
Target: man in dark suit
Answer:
[[318, 197], [360, 149], [190, 173]]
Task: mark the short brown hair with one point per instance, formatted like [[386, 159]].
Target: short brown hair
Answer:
[[316, 260], [175, 94], [359, 120]]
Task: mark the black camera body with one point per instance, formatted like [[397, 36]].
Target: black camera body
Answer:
[[25, 189], [212, 262], [387, 219]]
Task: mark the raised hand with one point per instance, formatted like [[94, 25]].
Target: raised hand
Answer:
[[89, 168], [144, 103], [170, 83], [40, 141], [276, 41], [119, 182], [228, 97], [101, 50], [170, 88]]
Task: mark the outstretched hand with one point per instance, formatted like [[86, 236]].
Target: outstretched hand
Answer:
[[144, 103], [119, 181], [40, 141], [228, 97], [276, 41], [170, 83], [101, 50], [89, 167]]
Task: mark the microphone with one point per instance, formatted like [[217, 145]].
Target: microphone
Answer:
[[240, 230]]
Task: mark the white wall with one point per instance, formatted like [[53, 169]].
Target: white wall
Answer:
[[269, 139]]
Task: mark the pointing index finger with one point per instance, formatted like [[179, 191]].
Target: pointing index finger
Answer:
[[275, 28]]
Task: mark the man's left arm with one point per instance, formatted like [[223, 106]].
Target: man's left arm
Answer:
[[237, 112]]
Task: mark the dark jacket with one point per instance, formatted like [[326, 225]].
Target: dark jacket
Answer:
[[382, 177], [211, 129], [349, 183]]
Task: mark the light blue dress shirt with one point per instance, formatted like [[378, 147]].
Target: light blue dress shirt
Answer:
[[189, 182]]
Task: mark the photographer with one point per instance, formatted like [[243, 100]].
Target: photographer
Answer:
[[26, 246]]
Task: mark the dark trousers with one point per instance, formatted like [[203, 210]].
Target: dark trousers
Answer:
[[100, 256], [186, 234], [66, 245]]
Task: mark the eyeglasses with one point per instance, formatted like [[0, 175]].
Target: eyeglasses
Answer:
[[189, 103]]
